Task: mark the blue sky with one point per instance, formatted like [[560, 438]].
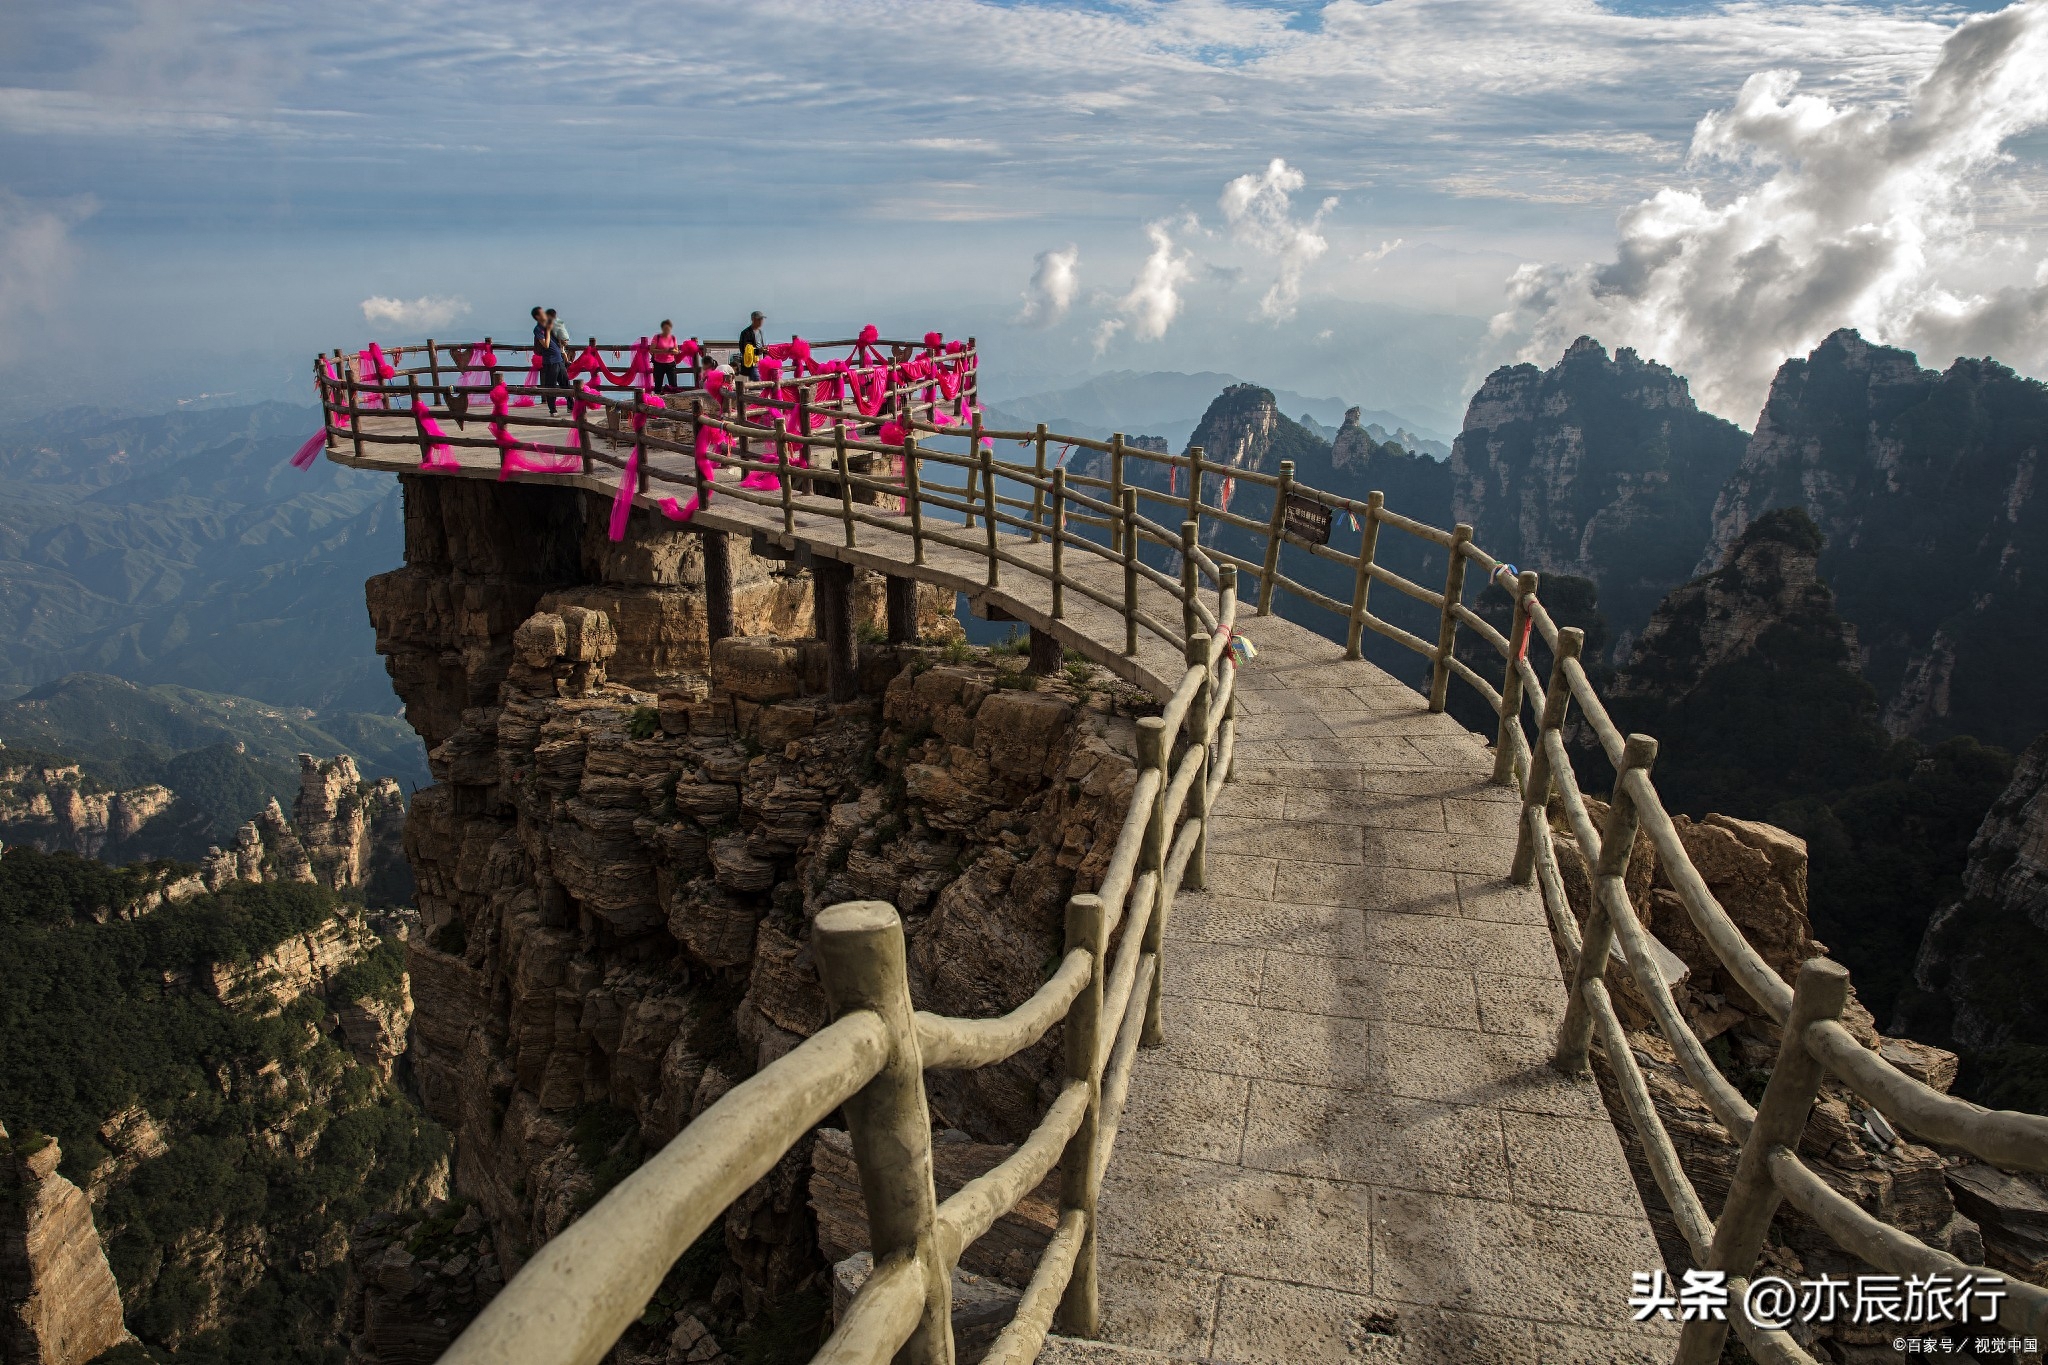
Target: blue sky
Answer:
[[197, 193]]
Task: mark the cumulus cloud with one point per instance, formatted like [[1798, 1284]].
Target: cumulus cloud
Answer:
[[429, 310], [1154, 299], [1855, 217], [37, 255], [1260, 211], [1055, 279]]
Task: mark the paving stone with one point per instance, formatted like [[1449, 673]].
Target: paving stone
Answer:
[[1489, 1257], [1569, 1163], [1378, 810], [1443, 941], [1179, 1112], [1155, 1306], [1454, 1066], [1481, 896], [1324, 841], [1495, 818], [1368, 988], [1268, 924], [1532, 1005], [1210, 1216], [1377, 1139], [1196, 969]]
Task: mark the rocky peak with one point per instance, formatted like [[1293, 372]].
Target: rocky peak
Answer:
[[1769, 580], [1241, 427], [1601, 467], [1924, 484], [59, 1304]]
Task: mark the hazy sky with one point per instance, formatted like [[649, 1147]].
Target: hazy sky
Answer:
[[1374, 201]]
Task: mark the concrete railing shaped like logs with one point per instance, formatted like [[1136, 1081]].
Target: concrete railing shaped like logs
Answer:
[[824, 458]]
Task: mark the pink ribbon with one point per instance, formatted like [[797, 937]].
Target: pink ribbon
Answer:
[[439, 455], [510, 458], [629, 480]]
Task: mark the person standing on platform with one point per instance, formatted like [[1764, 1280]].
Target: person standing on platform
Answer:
[[665, 353], [554, 368], [752, 345]]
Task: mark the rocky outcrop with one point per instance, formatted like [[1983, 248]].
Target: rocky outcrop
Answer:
[[344, 834], [422, 1275], [59, 1304], [1977, 977], [618, 866], [299, 965], [1924, 484], [56, 808], [1597, 467]]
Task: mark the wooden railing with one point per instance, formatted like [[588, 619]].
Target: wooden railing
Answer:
[[584, 1287]]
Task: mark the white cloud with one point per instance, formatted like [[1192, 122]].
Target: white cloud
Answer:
[[429, 310], [37, 256], [1154, 299], [1055, 279], [1260, 212], [1862, 217]]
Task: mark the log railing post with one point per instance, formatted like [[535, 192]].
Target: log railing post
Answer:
[[1127, 526], [1038, 489], [1117, 533], [353, 379], [988, 488], [1821, 992], [419, 417], [1361, 591], [1195, 484], [433, 364], [1447, 629], [1190, 580], [1080, 1312], [1557, 698], [845, 480], [1226, 594], [914, 500], [1154, 745], [1511, 684], [1196, 877], [1617, 842], [859, 950], [1274, 534], [782, 467], [1056, 527]]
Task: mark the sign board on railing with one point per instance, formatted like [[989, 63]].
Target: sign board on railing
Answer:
[[1308, 520]]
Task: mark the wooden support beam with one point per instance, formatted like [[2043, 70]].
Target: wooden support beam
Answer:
[[902, 604], [718, 614], [1046, 654], [832, 597]]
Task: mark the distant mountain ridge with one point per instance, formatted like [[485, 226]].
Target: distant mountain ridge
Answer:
[[183, 548]]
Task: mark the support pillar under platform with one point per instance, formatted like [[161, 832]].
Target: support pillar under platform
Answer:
[[1046, 654], [718, 614], [902, 601], [832, 584]]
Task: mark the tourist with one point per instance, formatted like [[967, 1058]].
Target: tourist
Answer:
[[666, 353], [751, 346], [554, 365]]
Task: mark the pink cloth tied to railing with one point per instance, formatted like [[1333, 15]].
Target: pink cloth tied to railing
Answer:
[[639, 373], [510, 459], [439, 455], [710, 441], [374, 370], [629, 479]]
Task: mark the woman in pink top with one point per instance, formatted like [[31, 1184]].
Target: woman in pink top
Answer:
[[664, 353]]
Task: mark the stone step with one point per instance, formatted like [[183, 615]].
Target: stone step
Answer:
[[1075, 1351]]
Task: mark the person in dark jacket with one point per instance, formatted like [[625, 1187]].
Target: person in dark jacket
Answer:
[[554, 365], [752, 345]]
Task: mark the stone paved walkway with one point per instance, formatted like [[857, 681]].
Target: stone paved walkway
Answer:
[[1352, 1147]]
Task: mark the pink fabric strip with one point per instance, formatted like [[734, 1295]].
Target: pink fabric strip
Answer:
[[629, 479]]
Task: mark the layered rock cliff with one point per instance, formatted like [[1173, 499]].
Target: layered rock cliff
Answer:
[[1598, 467], [1977, 979], [59, 1304], [344, 834], [56, 807], [1924, 485], [616, 877]]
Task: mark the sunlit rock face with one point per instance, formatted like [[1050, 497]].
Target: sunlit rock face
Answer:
[[621, 857]]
